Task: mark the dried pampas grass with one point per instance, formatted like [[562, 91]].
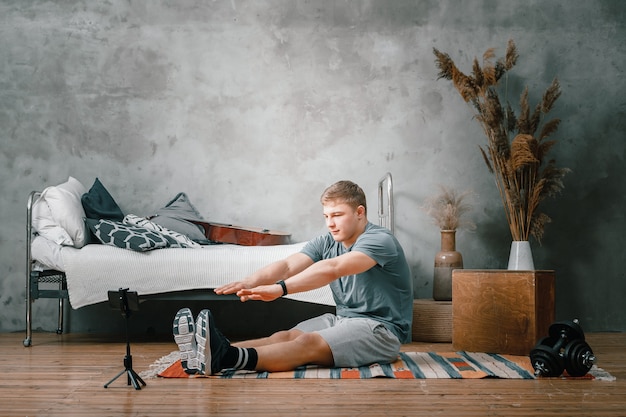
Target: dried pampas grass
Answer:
[[448, 209], [524, 174]]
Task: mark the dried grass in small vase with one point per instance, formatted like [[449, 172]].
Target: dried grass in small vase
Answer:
[[524, 174], [448, 209]]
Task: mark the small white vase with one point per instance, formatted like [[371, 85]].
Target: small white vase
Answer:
[[521, 257]]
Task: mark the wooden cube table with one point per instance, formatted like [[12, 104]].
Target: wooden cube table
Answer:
[[501, 311]]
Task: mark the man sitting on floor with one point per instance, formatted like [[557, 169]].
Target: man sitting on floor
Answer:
[[371, 283]]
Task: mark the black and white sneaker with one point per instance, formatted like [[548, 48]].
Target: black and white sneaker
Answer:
[[211, 344], [184, 335]]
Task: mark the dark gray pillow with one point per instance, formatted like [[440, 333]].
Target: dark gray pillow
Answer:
[[98, 203], [177, 215]]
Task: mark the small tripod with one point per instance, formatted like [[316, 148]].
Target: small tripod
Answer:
[[128, 301]]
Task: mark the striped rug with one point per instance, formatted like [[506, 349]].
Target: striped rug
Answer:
[[410, 365]]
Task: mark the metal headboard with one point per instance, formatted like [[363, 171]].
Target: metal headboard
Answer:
[[35, 278], [385, 202]]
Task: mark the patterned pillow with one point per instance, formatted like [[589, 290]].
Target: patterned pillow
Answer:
[[123, 236], [133, 220]]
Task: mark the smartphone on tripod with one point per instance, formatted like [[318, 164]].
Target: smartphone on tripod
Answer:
[[127, 302]]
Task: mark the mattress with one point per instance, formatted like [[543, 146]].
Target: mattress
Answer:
[[94, 270]]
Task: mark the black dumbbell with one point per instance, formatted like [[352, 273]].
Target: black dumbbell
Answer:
[[564, 349], [545, 357], [579, 358]]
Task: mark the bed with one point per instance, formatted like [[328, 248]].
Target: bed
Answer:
[[84, 273]]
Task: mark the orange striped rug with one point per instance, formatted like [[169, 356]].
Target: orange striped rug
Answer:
[[410, 365]]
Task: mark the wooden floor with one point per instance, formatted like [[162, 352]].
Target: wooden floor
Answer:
[[65, 376]]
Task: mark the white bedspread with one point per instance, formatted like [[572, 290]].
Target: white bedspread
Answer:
[[94, 270]]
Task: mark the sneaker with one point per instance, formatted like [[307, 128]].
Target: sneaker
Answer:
[[184, 336], [211, 344]]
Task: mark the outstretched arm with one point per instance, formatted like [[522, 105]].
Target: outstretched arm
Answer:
[[282, 269], [315, 276]]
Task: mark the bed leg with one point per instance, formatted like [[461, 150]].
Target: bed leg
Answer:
[[60, 323], [29, 318], [29, 325]]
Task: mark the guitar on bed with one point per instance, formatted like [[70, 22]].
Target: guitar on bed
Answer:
[[245, 236]]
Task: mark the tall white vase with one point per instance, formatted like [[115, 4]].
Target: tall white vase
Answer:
[[521, 257]]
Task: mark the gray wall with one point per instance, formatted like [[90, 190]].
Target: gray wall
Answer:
[[252, 108]]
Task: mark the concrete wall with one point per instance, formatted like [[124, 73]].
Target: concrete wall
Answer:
[[252, 108]]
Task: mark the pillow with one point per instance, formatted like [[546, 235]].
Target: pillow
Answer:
[[98, 203], [137, 221], [140, 239], [66, 209], [44, 224], [47, 253], [177, 216]]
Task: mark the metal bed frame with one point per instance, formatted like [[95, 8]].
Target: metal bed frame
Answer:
[[53, 284], [35, 278], [385, 202]]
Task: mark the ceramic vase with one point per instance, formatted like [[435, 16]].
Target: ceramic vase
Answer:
[[446, 260], [521, 256]]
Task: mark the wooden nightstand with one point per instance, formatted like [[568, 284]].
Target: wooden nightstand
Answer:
[[501, 311]]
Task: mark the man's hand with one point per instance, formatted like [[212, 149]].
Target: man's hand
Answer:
[[231, 288], [261, 293]]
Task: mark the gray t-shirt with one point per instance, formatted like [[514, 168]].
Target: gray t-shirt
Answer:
[[384, 292]]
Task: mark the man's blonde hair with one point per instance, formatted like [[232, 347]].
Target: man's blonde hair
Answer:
[[345, 192]]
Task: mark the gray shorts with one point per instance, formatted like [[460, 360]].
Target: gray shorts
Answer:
[[354, 341]]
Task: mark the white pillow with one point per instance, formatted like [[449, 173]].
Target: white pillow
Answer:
[[44, 224], [67, 209], [47, 252]]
